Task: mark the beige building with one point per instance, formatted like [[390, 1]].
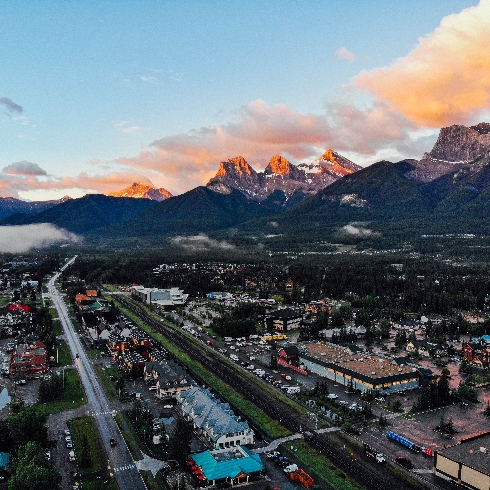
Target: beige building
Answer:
[[466, 463]]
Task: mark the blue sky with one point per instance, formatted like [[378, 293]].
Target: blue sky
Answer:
[[97, 95]]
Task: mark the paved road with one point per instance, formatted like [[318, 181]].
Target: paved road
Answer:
[[120, 460]]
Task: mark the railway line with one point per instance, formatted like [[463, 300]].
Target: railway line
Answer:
[[362, 471]]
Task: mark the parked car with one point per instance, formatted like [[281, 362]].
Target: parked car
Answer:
[[153, 388], [405, 462]]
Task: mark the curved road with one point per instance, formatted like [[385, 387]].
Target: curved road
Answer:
[[120, 460]]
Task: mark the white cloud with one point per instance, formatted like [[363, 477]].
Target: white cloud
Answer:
[[200, 242], [127, 128], [344, 54]]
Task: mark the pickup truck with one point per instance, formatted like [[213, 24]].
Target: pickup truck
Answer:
[[372, 453]]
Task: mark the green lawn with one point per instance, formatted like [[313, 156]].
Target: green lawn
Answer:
[[4, 300], [72, 397], [63, 354], [91, 457]]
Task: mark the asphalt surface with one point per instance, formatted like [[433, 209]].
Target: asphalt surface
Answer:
[[120, 461]]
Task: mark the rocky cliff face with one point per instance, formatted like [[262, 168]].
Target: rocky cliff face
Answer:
[[458, 148], [282, 175], [146, 191], [235, 173]]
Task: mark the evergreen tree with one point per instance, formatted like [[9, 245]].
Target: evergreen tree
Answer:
[[84, 460], [32, 471], [179, 441]]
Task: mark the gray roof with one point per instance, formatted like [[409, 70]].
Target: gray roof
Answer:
[[210, 414], [471, 451]]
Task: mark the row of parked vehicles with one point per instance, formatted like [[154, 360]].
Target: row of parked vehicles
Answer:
[[291, 469]]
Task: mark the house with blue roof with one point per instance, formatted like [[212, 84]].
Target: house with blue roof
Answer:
[[232, 465], [214, 419], [4, 461]]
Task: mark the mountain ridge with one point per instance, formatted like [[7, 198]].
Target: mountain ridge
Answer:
[[400, 200], [282, 175]]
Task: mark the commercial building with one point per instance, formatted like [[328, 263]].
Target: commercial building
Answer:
[[162, 297], [357, 370], [226, 466], [283, 319], [466, 463]]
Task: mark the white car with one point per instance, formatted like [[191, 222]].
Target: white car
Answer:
[[153, 388]]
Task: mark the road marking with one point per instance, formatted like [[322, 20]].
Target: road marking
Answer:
[[96, 414], [125, 468]]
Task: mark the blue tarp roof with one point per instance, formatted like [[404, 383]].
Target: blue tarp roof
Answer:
[[217, 470]]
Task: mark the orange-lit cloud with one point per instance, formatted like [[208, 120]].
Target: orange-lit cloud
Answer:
[[446, 78], [14, 185], [260, 131]]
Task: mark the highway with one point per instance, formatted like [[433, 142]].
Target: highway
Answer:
[[120, 461]]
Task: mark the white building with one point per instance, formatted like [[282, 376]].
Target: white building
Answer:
[[214, 419], [162, 297]]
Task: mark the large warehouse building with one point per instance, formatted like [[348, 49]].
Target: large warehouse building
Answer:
[[359, 371]]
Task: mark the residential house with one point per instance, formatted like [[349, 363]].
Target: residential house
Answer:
[[119, 340], [288, 356], [477, 353], [29, 360], [420, 346], [170, 378], [83, 300], [132, 363]]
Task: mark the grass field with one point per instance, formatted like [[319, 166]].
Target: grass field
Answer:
[[91, 457]]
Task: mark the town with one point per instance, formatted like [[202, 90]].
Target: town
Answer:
[[234, 387]]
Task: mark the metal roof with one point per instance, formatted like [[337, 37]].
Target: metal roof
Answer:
[[228, 463]]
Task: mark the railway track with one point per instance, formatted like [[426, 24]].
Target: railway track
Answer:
[[290, 418]]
